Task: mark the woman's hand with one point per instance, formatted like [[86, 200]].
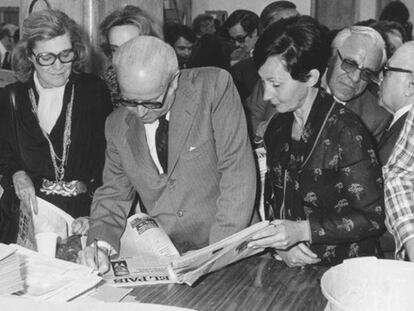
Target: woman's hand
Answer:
[[25, 191], [80, 225], [282, 234], [298, 256]]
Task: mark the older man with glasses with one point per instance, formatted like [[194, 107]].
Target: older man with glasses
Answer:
[[358, 54], [180, 142], [397, 94]]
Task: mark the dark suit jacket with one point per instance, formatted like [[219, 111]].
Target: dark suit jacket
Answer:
[[389, 139], [209, 189], [375, 118], [258, 110], [245, 77]]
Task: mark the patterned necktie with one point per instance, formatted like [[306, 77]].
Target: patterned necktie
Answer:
[[6, 61], [161, 142]]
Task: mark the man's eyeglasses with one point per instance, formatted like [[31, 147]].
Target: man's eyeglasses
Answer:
[[240, 39], [387, 68], [146, 103], [48, 59], [349, 66]]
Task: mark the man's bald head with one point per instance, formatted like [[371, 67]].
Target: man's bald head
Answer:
[[405, 55], [144, 66]]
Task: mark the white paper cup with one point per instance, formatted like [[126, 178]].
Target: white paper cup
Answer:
[[46, 243]]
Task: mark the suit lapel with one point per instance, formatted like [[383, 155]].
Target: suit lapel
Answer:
[[137, 142], [181, 119], [389, 133]]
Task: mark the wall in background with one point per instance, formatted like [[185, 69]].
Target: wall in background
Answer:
[[200, 6], [367, 8]]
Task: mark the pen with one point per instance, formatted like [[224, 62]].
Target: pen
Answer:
[[96, 255]]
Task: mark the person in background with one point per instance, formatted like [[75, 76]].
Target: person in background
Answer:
[[398, 90], [209, 51], [119, 27], [257, 111], [324, 180], [181, 142], [393, 34], [397, 11], [394, 97], [203, 24], [358, 54], [182, 39], [275, 11], [243, 28], [53, 128], [7, 43]]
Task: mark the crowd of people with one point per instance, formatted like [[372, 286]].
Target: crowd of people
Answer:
[[171, 126]]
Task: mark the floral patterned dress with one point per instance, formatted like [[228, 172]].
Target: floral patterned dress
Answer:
[[331, 177]]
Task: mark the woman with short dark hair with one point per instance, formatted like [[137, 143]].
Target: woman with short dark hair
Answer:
[[324, 185]]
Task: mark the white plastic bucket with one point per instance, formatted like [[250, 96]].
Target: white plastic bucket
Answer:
[[368, 283]]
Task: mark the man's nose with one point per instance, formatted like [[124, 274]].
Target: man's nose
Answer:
[[187, 52], [355, 76]]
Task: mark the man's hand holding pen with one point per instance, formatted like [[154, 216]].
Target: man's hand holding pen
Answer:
[[95, 257]]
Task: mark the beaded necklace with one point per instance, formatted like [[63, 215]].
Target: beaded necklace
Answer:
[[58, 186]]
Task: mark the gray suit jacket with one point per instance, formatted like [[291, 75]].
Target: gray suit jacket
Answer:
[[209, 190]]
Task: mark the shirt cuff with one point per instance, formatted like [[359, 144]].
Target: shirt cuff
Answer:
[[107, 248]]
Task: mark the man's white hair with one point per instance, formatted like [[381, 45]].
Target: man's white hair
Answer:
[[369, 32], [146, 53]]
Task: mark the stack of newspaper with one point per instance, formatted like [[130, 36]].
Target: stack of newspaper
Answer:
[[54, 279], [10, 278], [148, 256]]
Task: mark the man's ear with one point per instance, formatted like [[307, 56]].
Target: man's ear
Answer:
[[409, 90], [254, 33], [312, 77]]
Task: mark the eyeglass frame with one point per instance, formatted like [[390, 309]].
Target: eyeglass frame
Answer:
[[241, 39], [387, 68], [56, 56], [362, 70], [131, 103]]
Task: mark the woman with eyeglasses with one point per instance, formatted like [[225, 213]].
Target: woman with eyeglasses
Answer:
[[53, 131], [324, 186]]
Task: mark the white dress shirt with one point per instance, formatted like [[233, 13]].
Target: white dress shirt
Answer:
[[2, 53], [398, 114], [150, 130]]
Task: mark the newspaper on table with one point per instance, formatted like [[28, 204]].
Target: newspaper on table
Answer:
[[49, 218], [53, 279], [11, 280], [147, 255]]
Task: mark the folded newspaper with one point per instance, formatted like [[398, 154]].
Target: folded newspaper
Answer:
[[49, 218], [148, 256]]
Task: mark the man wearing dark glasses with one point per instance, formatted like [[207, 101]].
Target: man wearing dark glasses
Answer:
[[397, 88], [397, 94], [358, 54], [243, 29], [200, 185]]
